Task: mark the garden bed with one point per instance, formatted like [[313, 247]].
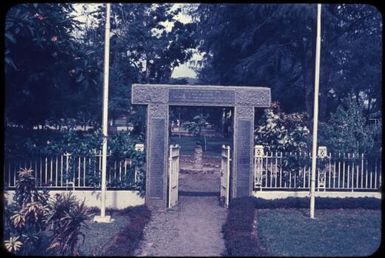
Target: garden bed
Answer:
[[118, 238], [126, 241], [98, 235]]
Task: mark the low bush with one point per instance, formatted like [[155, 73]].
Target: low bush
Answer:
[[239, 237], [321, 203], [127, 240]]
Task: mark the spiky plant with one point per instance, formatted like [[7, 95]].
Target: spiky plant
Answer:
[[67, 221]]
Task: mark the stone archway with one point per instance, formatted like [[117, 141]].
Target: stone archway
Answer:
[[158, 98]]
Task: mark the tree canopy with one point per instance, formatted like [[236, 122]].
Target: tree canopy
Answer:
[[273, 45], [54, 63]]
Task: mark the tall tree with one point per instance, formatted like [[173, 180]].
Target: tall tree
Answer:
[[273, 45], [38, 60], [147, 42], [54, 66]]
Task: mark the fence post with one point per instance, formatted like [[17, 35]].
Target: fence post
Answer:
[[46, 171], [375, 175], [280, 170], [67, 166], [56, 170], [362, 170], [334, 173], [330, 168], [366, 175]]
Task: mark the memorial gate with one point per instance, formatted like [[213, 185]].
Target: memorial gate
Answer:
[[159, 97]]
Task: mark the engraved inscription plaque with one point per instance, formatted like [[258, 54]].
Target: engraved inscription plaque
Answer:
[[157, 157], [243, 157], [185, 96]]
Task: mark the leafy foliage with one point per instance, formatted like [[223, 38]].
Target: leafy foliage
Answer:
[[288, 134], [121, 147], [40, 80], [235, 53], [196, 126], [278, 131], [66, 221], [61, 76], [28, 218], [26, 192], [348, 131]]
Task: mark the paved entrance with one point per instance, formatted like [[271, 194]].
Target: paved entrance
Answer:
[[158, 98], [193, 227]]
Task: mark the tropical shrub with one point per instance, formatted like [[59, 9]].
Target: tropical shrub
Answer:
[[286, 134], [28, 219], [66, 220], [25, 218], [195, 127], [348, 130], [25, 191], [278, 131]]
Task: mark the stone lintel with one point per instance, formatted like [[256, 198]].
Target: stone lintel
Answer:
[[200, 95]]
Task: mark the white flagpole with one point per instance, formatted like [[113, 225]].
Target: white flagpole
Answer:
[[103, 217], [315, 114]]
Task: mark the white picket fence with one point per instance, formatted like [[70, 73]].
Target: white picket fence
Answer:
[[64, 172], [341, 172]]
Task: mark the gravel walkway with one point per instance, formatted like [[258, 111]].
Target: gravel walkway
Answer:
[[193, 227]]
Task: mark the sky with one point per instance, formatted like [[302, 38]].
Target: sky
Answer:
[[182, 70]]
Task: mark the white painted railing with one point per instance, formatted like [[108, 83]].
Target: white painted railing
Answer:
[[345, 172], [67, 172]]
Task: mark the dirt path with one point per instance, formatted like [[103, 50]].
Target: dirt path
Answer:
[[193, 228]]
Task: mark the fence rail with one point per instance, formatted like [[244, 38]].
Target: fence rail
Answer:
[[292, 171], [67, 171]]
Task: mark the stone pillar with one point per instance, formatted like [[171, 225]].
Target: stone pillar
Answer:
[[243, 140], [156, 155]]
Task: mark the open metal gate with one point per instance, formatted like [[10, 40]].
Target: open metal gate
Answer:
[[225, 175], [173, 175]]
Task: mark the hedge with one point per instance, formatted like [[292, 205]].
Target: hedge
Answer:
[[320, 202]]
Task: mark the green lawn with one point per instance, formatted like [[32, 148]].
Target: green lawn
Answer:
[[291, 232], [213, 144]]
